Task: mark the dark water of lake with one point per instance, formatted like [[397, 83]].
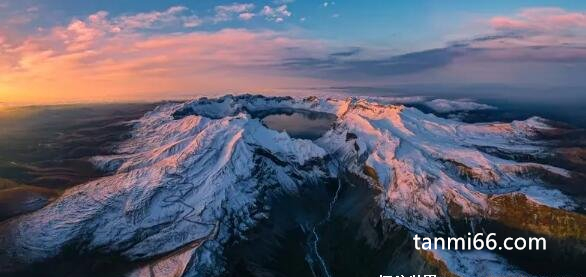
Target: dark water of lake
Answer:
[[298, 123]]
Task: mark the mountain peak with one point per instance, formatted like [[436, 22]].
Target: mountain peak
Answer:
[[191, 167]]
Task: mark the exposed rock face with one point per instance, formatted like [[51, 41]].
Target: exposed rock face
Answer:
[[209, 166]]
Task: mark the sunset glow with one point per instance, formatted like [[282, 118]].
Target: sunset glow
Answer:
[[176, 51], [292, 138]]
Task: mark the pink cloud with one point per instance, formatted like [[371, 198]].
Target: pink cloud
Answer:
[[501, 22], [540, 19], [100, 57], [538, 34], [81, 34]]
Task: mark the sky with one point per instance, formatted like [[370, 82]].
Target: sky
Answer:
[[93, 51]]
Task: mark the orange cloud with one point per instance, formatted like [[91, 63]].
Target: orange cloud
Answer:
[[103, 59]]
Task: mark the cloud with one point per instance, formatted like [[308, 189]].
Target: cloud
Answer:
[[13, 18], [228, 12], [151, 19], [523, 51], [535, 34], [246, 12], [101, 57], [246, 16], [81, 33], [351, 52], [104, 56], [537, 27], [458, 105], [403, 100], [192, 22], [538, 41], [346, 65], [277, 14], [328, 3], [541, 20]]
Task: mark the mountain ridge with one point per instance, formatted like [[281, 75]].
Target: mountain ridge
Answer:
[[191, 167]]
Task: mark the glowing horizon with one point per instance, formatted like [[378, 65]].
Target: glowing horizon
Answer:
[[102, 52]]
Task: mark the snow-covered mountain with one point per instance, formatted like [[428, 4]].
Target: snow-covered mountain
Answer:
[[197, 175]]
